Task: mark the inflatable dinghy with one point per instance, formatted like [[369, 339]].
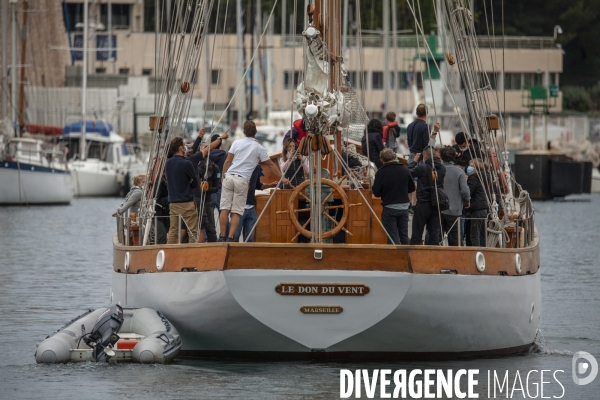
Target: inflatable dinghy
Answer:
[[113, 334]]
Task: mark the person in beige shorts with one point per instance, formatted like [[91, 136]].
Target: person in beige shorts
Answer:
[[243, 157]]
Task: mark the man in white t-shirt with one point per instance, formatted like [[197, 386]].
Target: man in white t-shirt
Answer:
[[243, 157]]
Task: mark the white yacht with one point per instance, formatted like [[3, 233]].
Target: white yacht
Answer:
[[32, 173], [109, 162]]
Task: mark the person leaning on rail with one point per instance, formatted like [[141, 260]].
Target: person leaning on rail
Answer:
[[132, 200], [393, 183]]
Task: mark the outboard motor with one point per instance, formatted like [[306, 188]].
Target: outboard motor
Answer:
[[104, 333]]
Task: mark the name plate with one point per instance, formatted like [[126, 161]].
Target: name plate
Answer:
[[322, 289], [321, 309]]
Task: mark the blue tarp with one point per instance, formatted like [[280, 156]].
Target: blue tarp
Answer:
[[90, 127]]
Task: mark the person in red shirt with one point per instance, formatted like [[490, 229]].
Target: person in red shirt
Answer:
[[391, 132], [297, 132]]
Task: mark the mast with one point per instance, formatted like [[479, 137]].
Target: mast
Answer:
[[345, 29], [3, 29], [397, 75], [240, 57], [23, 60], [110, 46], [84, 79], [13, 69], [386, 55]]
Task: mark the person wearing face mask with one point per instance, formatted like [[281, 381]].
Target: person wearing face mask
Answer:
[[294, 164], [478, 210], [465, 150]]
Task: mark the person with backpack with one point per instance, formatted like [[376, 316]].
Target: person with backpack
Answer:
[[455, 185], [425, 214], [391, 132]]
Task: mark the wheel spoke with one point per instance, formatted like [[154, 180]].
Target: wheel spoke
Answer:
[[332, 207], [330, 218], [303, 226], [327, 198], [302, 210], [305, 197]]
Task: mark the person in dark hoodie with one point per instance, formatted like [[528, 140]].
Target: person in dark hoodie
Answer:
[[479, 206], [466, 150], [424, 213], [393, 183], [375, 134], [218, 156], [197, 156]]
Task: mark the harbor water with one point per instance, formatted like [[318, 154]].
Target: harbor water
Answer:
[[56, 263]]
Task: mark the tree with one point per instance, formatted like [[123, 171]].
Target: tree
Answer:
[[576, 98]]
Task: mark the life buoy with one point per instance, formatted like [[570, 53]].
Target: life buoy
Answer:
[[501, 174]]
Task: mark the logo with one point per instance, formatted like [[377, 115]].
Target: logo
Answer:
[[580, 368]]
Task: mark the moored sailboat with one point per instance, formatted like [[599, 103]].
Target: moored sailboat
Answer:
[[346, 293], [31, 173]]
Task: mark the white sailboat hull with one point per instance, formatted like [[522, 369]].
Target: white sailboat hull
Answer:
[[95, 178], [26, 183], [411, 314], [595, 180]]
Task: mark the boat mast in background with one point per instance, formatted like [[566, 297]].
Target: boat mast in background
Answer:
[[84, 79], [23, 60], [13, 68], [3, 31], [386, 56], [240, 58], [397, 74], [109, 42]]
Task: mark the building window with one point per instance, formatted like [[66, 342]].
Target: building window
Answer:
[[146, 71], [123, 71], [101, 70], [376, 115], [403, 80], [214, 76], [554, 78], [354, 81], [512, 81], [488, 78], [287, 79], [377, 80], [73, 14], [532, 79], [419, 79], [120, 15]]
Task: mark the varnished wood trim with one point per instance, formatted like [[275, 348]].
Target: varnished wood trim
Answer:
[[341, 257]]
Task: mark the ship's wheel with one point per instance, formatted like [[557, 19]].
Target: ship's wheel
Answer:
[[338, 225]]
